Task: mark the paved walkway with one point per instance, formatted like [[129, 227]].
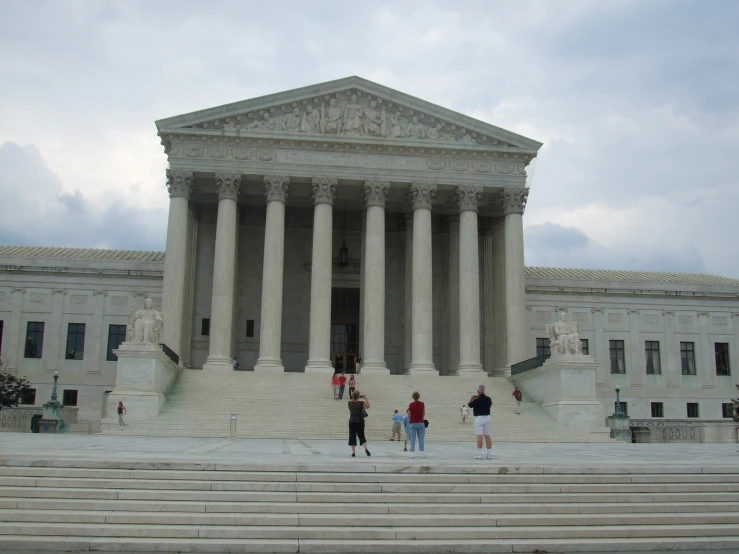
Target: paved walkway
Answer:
[[328, 453]]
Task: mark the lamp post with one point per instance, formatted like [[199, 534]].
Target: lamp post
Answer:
[[619, 410], [49, 422]]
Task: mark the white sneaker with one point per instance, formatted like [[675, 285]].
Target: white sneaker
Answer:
[[478, 456], [411, 455], [489, 456], [423, 454]]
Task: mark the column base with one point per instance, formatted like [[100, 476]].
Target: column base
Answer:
[[319, 366], [374, 367], [269, 365], [470, 370], [219, 363], [422, 368]]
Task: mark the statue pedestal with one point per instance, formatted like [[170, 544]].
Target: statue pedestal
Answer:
[[143, 377], [565, 387]]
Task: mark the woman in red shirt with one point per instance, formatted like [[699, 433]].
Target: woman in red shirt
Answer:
[[416, 426]]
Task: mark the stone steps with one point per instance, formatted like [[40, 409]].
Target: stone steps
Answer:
[[201, 403], [146, 507]]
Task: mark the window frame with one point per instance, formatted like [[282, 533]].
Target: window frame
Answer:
[[689, 406], [727, 408], [76, 339], [727, 371], [660, 408], [616, 346], [205, 327], [31, 393], [66, 392], [652, 355], [687, 358], [585, 347], [122, 331], [38, 339]]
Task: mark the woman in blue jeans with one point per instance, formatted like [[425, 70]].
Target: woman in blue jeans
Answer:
[[417, 413]]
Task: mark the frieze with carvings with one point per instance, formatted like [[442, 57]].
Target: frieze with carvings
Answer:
[[685, 320], [651, 319], [37, 297], [78, 298], [119, 300], [615, 318], [349, 114]]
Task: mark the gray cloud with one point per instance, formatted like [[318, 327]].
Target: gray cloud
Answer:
[[637, 102]]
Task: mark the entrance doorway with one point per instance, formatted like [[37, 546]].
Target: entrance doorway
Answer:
[[344, 328]]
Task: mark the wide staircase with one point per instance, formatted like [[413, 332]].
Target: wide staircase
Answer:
[[148, 507], [301, 405]]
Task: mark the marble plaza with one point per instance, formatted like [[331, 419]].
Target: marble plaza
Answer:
[[345, 218]]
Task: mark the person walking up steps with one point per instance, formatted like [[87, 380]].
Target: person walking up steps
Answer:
[[417, 412], [335, 385], [357, 405], [464, 411], [519, 397], [342, 385], [481, 404], [397, 425], [121, 413], [352, 385]]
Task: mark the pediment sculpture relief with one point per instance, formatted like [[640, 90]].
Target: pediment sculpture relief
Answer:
[[564, 337], [351, 116]]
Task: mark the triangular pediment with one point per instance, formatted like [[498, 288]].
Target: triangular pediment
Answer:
[[351, 108]]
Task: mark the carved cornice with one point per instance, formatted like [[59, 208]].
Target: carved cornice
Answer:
[[468, 198], [228, 185], [375, 193], [179, 183], [275, 188], [422, 195], [324, 189], [514, 201]]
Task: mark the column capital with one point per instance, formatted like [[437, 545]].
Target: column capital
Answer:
[[375, 193], [468, 198], [179, 183], [324, 189], [422, 195], [667, 313], [228, 185], [275, 188], [514, 201]]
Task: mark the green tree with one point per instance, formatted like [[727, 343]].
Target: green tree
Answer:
[[12, 389]]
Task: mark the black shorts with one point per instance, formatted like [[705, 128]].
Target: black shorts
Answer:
[[356, 429]]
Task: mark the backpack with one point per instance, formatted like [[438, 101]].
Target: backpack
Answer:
[[518, 396]]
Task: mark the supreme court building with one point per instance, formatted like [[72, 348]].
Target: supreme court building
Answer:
[[346, 218]]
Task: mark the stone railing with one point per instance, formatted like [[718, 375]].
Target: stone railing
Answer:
[[685, 430], [18, 420]]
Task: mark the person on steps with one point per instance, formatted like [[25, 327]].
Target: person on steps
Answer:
[[352, 385], [481, 404], [121, 413], [357, 405], [397, 425], [464, 411], [518, 395], [417, 411], [335, 385], [342, 385]]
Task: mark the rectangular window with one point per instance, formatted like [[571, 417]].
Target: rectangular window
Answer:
[[29, 397], [618, 365], [543, 348], [585, 347], [722, 358], [116, 336], [205, 326], [687, 357], [624, 407], [75, 341], [658, 409], [727, 410], [693, 409], [69, 397], [651, 349], [249, 328], [34, 339]]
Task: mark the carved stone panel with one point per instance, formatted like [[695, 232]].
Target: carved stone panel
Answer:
[[651, 319], [615, 318], [720, 321], [685, 320], [543, 316], [119, 300], [37, 297], [78, 298]]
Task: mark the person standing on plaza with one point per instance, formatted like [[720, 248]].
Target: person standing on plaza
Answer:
[[481, 404], [335, 385], [342, 385], [397, 425], [121, 413], [417, 414], [352, 385], [357, 406], [518, 395]]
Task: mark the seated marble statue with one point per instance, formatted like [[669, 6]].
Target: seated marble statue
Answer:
[[145, 325], [564, 337]]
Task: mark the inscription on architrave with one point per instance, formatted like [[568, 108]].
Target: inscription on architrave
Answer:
[[350, 160]]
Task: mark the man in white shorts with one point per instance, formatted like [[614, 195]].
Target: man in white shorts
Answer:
[[481, 404]]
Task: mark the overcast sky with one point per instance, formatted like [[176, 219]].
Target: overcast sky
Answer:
[[636, 102]]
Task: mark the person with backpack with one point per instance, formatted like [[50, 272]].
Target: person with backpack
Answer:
[[519, 398]]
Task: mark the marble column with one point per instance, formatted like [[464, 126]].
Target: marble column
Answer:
[[179, 184], [362, 263], [493, 297], [16, 330], [224, 273], [514, 202], [468, 198], [319, 346], [672, 365], [453, 295], [734, 347], [422, 351], [375, 193], [270, 329], [55, 338], [706, 362], [96, 336], [407, 226], [637, 369], [599, 350]]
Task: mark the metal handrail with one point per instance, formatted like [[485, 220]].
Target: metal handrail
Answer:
[[528, 365], [171, 354]]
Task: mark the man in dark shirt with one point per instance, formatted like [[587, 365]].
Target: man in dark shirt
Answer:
[[481, 404]]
